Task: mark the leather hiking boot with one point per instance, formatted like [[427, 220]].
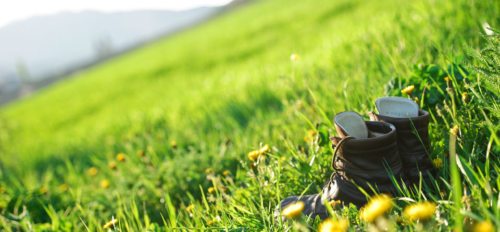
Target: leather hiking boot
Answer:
[[365, 156], [412, 126]]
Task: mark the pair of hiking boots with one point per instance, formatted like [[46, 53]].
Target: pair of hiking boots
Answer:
[[374, 156]]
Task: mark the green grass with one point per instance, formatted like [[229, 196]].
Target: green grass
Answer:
[[206, 97]]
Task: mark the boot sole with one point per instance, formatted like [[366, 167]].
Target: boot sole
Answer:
[[397, 107], [352, 124]]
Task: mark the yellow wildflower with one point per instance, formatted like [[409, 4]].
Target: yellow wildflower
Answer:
[[310, 134], [331, 225], [43, 190], [377, 206], [484, 226], [104, 184], [173, 144], [254, 155], [293, 210], [209, 171], [465, 97], [264, 149], [294, 57], [110, 223], [63, 187], [92, 171], [211, 190], [120, 157], [226, 173], [437, 162], [190, 208], [415, 99], [408, 90], [335, 203], [419, 211], [112, 165], [454, 130], [447, 79]]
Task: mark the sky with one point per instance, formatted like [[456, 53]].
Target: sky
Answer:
[[15, 10]]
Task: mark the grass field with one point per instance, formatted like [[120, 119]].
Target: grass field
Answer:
[[157, 139]]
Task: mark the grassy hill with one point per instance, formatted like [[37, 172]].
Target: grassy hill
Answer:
[[158, 137], [174, 75]]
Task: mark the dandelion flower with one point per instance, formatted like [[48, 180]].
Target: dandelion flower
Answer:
[[110, 223], [335, 203], [419, 211], [173, 144], [92, 171], [104, 184], [408, 90], [63, 187], [377, 206], [294, 57], [211, 190], [209, 171], [120, 157], [190, 208], [112, 165], [331, 225], [447, 79], [310, 134], [265, 149], [253, 155], [484, 226], [454, 130], [437, 162], [226, 173], [465, 97], [43, 190], [416, 100], [293, 210]]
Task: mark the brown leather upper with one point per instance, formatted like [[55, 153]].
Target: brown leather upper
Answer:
[[359, 163], [413, 144], [369, 161]]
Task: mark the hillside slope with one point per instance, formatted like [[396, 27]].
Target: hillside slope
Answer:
[[48, 47], [181, 74], [158, 138]]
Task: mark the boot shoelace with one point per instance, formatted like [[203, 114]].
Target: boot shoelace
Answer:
[[335, 158]]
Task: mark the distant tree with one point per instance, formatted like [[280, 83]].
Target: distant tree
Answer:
[[23, 72], [25, 77], [103, 47]]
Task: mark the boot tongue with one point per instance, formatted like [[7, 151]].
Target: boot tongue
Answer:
[[397, 107], [351, 124]]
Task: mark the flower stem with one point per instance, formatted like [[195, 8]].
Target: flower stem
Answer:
[[455, 180]]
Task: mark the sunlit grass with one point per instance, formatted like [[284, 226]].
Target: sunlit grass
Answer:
[[211, 128]]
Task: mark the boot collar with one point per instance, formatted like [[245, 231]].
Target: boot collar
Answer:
[[380, 134], [422, 120]]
